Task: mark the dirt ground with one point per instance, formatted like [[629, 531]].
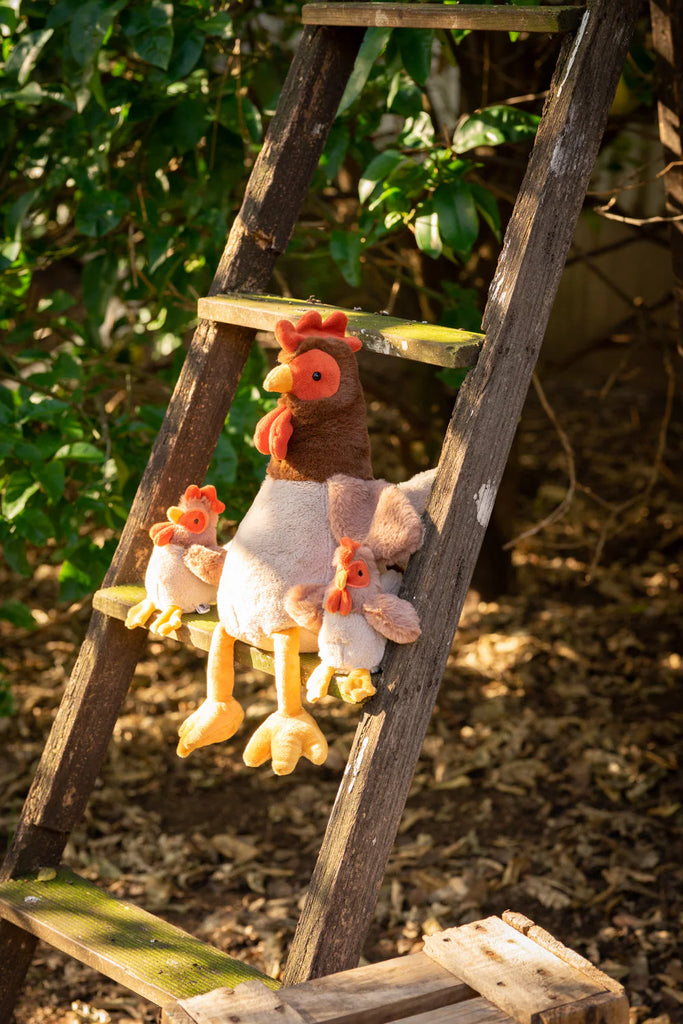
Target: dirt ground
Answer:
[[549, 782]]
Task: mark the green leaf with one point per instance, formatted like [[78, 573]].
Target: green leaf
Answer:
[[150, 30], [81, 451], [457, 216], [19, 489], [487, 207], [18, 614], [404, 97], [373, 44], [25, 54], [345, 248], [493, 126], [415, 47], [100, 212], [89, 26], [74, 583], [219, 25], [186, 52], [52, 479], [418, 131], [335, 150], [377, 171], [14, 549], [427, 230]]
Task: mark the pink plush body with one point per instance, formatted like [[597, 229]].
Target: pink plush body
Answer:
[[169, 582]]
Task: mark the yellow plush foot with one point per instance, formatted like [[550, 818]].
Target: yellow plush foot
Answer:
[[139, 613], [169, 620], [318, 682], [357, 686], [284, 739], [212, 722]]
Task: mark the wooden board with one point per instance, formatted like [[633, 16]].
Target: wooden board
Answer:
[[365, 817], [198, 629], [470, 16], [148, 955], [543, 938], [424, 343], [408, 988], [521, 977]]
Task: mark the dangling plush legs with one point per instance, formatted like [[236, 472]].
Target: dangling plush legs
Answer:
[[140, 612], [318, 682], [169, 620], [290, 732], [357, 686], [220, 716]]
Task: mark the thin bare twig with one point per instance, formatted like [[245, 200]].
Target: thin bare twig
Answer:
[[607, 530], [565, 504]]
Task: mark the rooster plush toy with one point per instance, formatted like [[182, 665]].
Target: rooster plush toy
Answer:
[[319, 488], [186, 562]]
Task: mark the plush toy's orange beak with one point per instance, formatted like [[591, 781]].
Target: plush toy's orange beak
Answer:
[[174, 513], [279, 379]]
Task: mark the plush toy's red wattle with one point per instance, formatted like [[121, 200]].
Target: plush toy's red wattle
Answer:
[[273, 432]]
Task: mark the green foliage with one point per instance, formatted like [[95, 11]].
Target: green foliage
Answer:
[[126, 128], [416, 183]]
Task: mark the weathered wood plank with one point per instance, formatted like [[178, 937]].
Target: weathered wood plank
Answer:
[[365, 816], [251, 1003], [520, 976], [196, 413], [408, 339], [374, 994], [378, 992], [667, 41], [470, 16], [543, 938], [474, 1011], [116, 938]]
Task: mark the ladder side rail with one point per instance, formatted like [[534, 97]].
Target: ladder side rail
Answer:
[[370, 801], [101, 676]]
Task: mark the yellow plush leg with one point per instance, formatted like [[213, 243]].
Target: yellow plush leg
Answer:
[[169, 620], [357, 686], [220, 716], [290, 732], [139, 613], [318, 682]]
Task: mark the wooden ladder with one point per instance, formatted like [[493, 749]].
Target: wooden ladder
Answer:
[[38, 899]]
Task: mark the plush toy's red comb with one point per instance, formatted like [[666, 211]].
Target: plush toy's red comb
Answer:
[[208, 493], [348, 550], [311, 324]]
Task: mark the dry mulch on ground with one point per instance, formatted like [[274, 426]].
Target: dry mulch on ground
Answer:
[[549, 781]]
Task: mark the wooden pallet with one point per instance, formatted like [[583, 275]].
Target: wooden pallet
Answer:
[[489, 972]]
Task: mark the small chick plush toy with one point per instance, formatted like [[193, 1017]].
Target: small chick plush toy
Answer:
[[356, 614], [186, 562]]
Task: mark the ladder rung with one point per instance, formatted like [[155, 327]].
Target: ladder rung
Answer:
[[130, 945], [425, 343], [198, 629], [467, 16]]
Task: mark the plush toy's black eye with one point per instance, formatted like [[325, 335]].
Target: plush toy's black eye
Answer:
[[317, 375], [360, 572]]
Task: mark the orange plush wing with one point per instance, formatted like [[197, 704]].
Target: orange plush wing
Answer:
[[161, 533], [273, 432]]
